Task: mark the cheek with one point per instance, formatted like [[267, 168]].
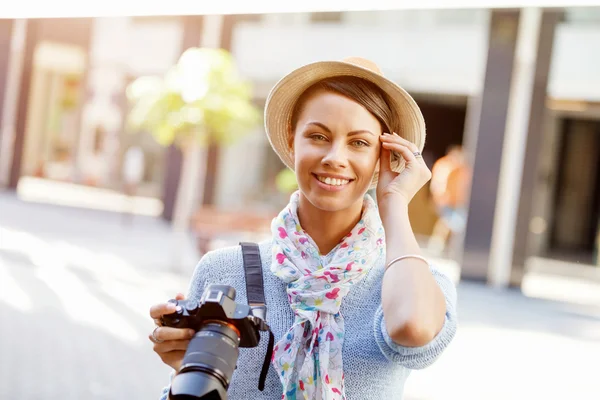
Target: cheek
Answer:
[[303, 157], [369, 163]]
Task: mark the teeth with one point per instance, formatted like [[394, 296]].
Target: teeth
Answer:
[[333, 181]]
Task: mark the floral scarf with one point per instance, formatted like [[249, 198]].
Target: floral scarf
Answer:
[[309, 357]]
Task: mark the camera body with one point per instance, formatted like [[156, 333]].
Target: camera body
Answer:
[[222, 326], [218, 304]]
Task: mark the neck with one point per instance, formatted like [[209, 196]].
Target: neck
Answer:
[[327, 228]]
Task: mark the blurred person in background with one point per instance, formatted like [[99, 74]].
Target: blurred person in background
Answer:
[[95, 163], [353, 304], [449, 187]]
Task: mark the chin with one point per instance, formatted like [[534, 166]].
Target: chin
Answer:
[[332, 201], [325, 203]]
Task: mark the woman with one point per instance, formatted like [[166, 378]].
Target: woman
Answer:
[[352, 303]]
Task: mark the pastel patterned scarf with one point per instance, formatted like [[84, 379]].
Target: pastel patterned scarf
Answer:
[[309, 357]]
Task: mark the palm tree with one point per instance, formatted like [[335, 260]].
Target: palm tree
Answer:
[[201, 100]]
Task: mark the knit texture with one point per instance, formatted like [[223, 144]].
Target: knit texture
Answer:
[[374, 366]]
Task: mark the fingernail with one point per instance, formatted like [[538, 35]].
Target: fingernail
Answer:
[[191, 332], [396, 134], [385, 133]]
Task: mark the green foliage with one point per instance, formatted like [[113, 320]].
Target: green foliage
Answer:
[[202, 97]]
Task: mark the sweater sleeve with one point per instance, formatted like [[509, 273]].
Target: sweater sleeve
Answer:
[[424, 356], [195, 290], [199, 277], [165, 391]]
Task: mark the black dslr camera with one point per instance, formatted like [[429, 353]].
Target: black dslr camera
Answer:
[[222, 326]]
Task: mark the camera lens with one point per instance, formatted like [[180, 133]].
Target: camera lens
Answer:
[[208, 364]]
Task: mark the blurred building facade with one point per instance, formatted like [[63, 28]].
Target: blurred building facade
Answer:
[[64, 106], [75, 101]]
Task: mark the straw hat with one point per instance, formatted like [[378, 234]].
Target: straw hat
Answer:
[[282, 99]]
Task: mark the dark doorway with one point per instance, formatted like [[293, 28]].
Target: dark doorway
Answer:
[[577, 192], [445, 124]]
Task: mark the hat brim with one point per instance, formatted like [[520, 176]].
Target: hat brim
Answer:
[[282, 100]]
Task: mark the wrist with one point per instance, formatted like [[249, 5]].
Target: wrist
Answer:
[[392, 204]]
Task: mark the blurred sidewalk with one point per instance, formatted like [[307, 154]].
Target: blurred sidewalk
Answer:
[[91, 218], [76, 285], [509, 346]]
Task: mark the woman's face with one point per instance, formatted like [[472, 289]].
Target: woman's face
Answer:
[[336, 150]]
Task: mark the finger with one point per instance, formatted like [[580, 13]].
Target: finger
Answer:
[[406, 153], [179, 296], [385, 159], [413, 147], [167, 333], [158, 310], [172, 356], [395, 138], [171, 345], [173, 359]]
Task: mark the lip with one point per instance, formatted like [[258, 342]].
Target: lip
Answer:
[[331, 188]]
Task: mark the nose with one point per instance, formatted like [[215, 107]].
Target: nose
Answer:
[[335, 157]]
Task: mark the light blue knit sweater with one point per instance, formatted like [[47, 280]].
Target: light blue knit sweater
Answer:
[[375, 368]]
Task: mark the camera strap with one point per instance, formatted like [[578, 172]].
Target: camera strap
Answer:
[[254, 277], [255, 292]]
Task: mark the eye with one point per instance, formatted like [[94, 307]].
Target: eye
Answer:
[[360, 143], [318, 137]]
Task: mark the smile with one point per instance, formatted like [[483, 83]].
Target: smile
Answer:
[[332, 182]]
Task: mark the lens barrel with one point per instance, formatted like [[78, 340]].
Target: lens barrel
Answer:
[[208, 364]]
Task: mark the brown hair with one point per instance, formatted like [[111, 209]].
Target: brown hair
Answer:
[[365, 93]]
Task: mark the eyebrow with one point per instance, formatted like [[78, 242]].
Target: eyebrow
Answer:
[[326, 129]]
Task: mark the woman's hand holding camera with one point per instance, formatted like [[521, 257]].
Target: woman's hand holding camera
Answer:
[[169, 343]]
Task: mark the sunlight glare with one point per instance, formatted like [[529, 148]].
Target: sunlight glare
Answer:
[[10, 291], [84, 308], [540, 372], [74, 294]]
